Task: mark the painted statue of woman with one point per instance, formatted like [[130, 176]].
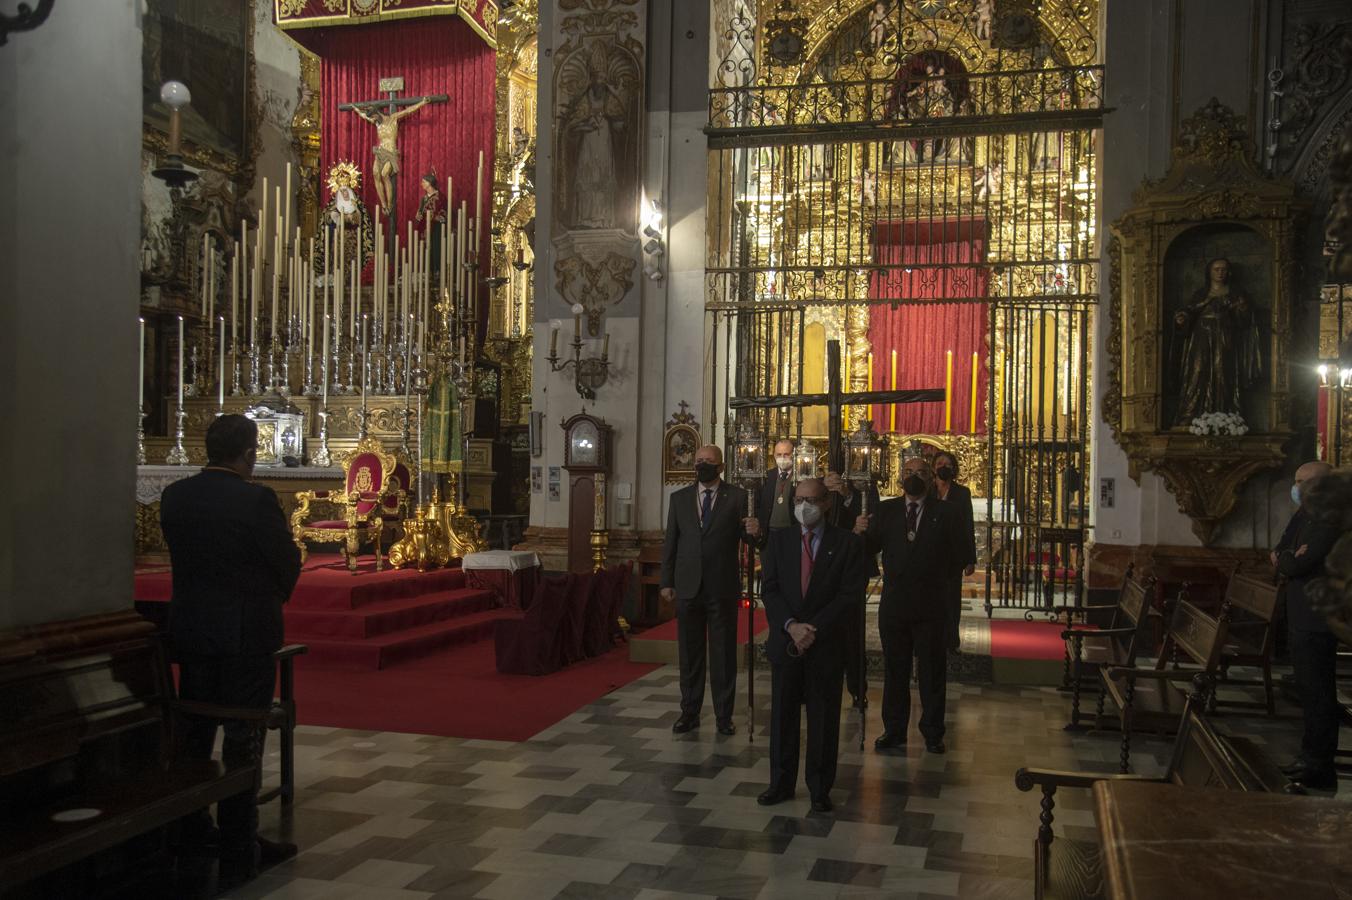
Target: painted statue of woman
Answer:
[[1221, 355], [596, 114]]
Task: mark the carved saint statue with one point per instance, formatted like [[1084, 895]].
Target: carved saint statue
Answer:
[[347, 221], [386, 150], [1221, 355], [594, 117]]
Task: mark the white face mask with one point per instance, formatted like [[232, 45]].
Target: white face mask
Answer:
[[809, 514], [784, 463]]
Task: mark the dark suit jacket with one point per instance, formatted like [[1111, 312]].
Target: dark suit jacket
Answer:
[[694, 557], [1298, 571], [234, 565], [843, 512], [765, 500], [914, 572], [835, 591], [961, 497]]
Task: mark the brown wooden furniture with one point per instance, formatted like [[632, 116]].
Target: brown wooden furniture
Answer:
[[1149, 699], [1068, 868], [1160, 840], [89, 757], [650, 606], [1250, 637], [1090, 650]]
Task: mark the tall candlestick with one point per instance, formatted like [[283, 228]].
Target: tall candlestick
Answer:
[[180, 362], [478, 196], [323, 364], [141, 371], [365, 368], [893, 386], [972, 427], [948, 390], [356, 300], [206, 246], [286, 198], [234, 298], [220, 368]]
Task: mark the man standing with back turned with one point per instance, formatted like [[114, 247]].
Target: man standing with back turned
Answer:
[[705, 526], [234, 565]]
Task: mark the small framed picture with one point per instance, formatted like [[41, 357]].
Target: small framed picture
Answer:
[[678, 453], [537, 479], [554, 491]]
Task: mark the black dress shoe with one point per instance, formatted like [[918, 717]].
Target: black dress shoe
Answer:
[[822, 804], [1294, 768], [935, 746], [1308, 781], [685, 723], [774, 795], [725, 726], [889, 741]]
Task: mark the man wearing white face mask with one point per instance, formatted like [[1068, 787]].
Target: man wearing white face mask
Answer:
[[774, 504], [813, 580]]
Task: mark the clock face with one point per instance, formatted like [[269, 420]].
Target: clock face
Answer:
[[585, 444]]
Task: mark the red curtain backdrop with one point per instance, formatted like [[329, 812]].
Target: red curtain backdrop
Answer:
[[435, 55], [921, 330]]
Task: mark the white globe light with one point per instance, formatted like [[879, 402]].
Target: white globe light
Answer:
[[175, 94], [578, 309]]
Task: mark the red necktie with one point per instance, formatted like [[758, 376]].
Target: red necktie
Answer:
[[806, 566]]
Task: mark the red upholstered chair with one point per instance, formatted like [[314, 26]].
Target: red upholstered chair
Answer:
[[572, 627], [401, 496], [530, 645], [354, 514]]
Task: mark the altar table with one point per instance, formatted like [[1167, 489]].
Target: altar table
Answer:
[[511, 574]]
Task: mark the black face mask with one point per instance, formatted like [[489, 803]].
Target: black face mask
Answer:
[[915, 486], [706, 471], [945, 473]]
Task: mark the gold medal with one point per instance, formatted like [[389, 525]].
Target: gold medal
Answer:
[[781, 499], [910, 535]]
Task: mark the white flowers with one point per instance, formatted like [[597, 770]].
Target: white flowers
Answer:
[[1219, 423]]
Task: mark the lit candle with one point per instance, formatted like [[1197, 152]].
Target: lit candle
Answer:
[[180, 362], [220, 366], [972, 429], [141, 371], [948, 390], [894, 387]]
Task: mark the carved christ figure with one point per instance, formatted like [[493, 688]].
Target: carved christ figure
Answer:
[[386, 150], [1221, 356]]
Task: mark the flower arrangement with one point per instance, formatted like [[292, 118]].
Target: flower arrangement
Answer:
[[1219, 423]]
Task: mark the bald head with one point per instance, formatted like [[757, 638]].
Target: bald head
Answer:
[[709, 453], [1307, 476], [810, 489], [708, 463]]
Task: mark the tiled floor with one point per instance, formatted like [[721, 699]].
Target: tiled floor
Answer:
[[609, 804]]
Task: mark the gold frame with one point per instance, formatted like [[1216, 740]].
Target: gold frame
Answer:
[[1212, 180], [358, 527]]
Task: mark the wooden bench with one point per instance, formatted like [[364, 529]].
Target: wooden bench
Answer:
[[1201, 758], [1251, 634], [90, 757], [1126, 635], [1149, 699]]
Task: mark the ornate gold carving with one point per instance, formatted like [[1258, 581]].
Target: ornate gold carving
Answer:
[[1212, 180], [594, 283], [424, 542]]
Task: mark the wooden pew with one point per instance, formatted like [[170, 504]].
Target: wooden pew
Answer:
[[90, 757], [1149, 698], [1251, 634], [1126, 634], [1201, 758]]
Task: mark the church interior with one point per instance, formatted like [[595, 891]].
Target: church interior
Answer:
[[513, 299]]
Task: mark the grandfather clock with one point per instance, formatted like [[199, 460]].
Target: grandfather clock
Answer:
[[586, 455]]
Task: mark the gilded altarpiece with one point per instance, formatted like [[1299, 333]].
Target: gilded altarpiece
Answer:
[[1212, 227]]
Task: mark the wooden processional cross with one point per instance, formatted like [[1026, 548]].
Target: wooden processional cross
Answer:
[[390, 107], [835, 400]]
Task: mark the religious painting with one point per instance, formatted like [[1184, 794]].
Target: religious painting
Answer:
[[206, 45], [1216, 299], [678, 454]]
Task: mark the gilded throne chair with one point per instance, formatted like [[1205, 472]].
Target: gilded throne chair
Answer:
[[373, 491]]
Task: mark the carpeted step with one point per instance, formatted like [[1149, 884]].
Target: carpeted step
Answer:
[[388, 649], [333, 587], [384, 616]]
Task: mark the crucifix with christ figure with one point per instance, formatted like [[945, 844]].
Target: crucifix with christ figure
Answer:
[[385, 115], [835, 400]]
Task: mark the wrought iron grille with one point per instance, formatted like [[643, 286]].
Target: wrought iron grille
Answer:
[[827, 184]]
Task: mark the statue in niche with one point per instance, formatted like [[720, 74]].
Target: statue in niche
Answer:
[[347, 220], [594, 119], [1221, 355]]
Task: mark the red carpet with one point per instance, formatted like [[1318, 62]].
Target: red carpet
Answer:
[[1017, 639]]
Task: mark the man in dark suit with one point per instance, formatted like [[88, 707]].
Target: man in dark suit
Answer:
[[813, 580], [774, 503], [234, 565], [706, 525], [1298, 559], [848, 504], [947, 489], [921, 548]]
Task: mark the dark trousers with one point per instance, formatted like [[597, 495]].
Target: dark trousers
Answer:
[[953, 605], [924, 642], [707, 629], [240, 681], [1314, 659], [814, 681], [856, 678]]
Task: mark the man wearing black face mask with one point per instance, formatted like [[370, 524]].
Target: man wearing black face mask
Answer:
[[921, 547], [706, 524], [947, 489]]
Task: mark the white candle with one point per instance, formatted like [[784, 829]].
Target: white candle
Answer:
[[324, 388], [234, 298], [365, 369], [478, 194], [220, 366], [286, 210], [205, 273], [141, 371], [180, 362], [356, 298]]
